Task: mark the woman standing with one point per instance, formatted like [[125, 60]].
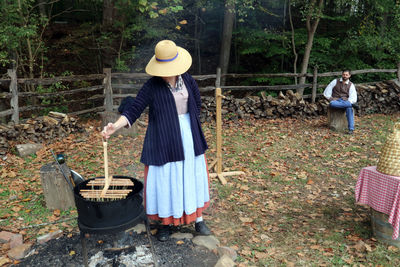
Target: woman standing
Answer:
[[176, 176]]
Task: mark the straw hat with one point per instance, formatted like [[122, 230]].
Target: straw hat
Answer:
[[389, 161], [169, 60]]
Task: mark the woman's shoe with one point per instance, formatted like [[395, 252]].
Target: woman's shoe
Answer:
[[163, 233], [202, 228]]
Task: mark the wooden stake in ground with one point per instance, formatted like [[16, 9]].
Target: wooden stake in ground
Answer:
[[218, 100]]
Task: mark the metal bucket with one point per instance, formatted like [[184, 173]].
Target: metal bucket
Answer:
[[383, 230]]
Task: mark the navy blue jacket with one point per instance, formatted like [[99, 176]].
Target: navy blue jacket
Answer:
[[163, 142]]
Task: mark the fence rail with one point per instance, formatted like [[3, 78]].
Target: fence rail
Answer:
[[136, 81]]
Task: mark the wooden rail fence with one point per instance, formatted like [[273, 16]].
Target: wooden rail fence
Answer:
[[115, 86]]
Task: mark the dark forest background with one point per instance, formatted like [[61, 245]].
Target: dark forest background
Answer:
[[42, 38]]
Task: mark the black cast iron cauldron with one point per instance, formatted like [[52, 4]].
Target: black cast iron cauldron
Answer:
[[109, 216]]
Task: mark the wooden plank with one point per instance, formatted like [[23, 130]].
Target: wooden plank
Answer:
[[314, 85], [213, 175], [107, 179], [127, 86], [218, 100], [204, 77], [5, 95], [123, 95], [267, 88], [72, 78], [206, 89], [121, 75], [5, 81], [99, 198], [93, 97], [339, 73], [221, 178], [111, 191], [14, 95], [234, 75], [398, 71], [87, 111], [43, 106], [69, 92], [6, 112], [114, 182], [210, 166]]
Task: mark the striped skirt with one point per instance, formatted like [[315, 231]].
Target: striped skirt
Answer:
[[177, 192]]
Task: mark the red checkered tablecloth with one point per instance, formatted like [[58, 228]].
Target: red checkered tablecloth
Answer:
[[382, 193]]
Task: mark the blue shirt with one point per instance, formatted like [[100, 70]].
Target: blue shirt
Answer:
[[163, 142]]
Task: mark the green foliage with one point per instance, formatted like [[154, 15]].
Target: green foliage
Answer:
[[21, 28], [352, 34], [57, 102]]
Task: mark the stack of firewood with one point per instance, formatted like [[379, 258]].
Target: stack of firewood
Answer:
[[263, 106], [381, 97], [51, 127]]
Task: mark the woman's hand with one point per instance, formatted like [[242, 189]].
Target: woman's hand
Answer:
[[108, 130]]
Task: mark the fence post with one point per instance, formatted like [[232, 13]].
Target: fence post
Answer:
[[398, 71], [108, 97], [14, 95], [314, 84]]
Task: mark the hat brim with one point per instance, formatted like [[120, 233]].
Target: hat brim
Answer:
[[170, 68]]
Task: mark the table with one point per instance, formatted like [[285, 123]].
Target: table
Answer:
[[382, 193]]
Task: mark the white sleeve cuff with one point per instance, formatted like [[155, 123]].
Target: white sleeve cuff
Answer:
[[127, 122]]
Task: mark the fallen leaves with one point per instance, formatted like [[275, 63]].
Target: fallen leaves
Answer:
[[285, 200], [245, 219]]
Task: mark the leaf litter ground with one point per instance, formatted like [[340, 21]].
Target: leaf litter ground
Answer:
[[294, 206]]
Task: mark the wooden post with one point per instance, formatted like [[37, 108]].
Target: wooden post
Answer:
[[398, 71], [314, 85], [14, 95], [218, 160], [218, 100], [108, 94]]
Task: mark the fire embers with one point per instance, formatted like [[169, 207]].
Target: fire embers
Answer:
[[128, 256]]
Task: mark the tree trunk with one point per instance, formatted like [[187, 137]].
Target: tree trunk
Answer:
[[108, 13], [229, 18], [197, 41], [314, 12], [108, 19], [293, 44], [42, 8]]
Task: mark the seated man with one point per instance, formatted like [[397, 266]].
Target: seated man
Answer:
[[342, 94]]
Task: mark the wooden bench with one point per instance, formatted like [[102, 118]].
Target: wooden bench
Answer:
[[337, 120]]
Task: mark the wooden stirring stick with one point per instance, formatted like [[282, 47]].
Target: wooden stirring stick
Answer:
[[106, 178]]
